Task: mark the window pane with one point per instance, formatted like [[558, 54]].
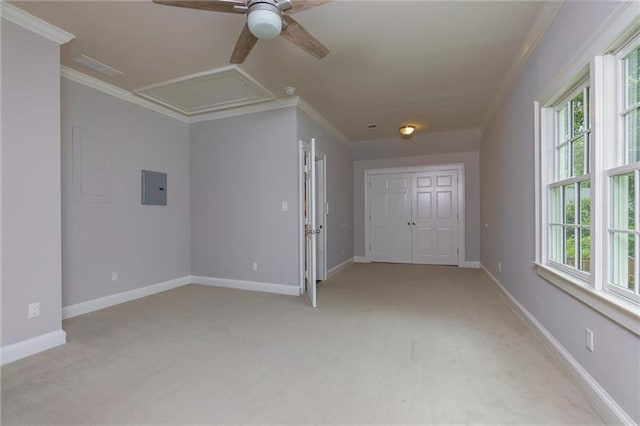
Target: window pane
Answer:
[[623, 260], [585, 250], [577, 111], [585, 203], [563, 125], [556, 240], [632, 135], [570, 246], [578, 147], [631, 74], [563, 167], [570, 203], [556, 205], [623, 205]]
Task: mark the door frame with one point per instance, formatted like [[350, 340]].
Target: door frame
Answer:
[[459, 167], [321, 270]]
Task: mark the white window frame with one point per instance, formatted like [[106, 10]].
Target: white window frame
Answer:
[[598, 60], [553, 180], [617, 162]]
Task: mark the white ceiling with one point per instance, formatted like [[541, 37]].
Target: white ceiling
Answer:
[[434, 64]]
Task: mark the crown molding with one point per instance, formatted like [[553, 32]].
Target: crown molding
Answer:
[[110, 89], [621, 24], [26, 20], [540, 26], [295, 101], [125, 95], [315, 115], [247, 109]]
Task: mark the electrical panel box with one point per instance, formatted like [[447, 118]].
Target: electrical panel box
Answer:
[[154, 188]]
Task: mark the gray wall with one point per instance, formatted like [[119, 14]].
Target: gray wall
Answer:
[[30, 170], [339, 189], [242, 169], [144, 244], [422, 143], [507, 194], [472, 194]]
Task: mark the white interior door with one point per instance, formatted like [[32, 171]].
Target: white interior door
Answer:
[[423, 218], [446, 217], [434, 210], [414, 217], [321, 236], [310, 220], [390, 218]]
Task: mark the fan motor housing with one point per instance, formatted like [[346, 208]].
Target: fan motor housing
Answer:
[[269, 5]]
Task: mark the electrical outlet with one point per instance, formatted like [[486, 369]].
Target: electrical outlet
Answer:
[[588, 339], [114, 276], [285, 206], [254, 267], [499, 266], [34, 310]]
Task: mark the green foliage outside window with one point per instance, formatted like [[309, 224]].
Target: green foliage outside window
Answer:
[[585, 240]]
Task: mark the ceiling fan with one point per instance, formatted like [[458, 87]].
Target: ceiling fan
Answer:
[[266, 19]]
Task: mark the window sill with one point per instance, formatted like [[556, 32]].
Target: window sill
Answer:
[[624, 313]]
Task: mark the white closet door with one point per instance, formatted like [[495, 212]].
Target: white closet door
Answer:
[[445, 218], [423, 208], [390, 217]]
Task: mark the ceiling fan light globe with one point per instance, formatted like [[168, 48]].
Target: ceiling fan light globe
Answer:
[[264, 24]]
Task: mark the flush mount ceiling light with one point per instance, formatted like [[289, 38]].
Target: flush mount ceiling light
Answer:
[[407, 130]]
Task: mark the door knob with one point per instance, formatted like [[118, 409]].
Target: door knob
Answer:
[[408, 223], [414, 223]]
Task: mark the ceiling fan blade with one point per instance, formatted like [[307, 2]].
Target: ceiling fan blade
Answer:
[[302, 5], [245, 43], [213, 5], [297, 35]]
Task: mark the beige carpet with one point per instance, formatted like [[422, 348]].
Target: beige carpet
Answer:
[[387, 344]]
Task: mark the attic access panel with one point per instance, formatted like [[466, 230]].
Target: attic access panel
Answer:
[[212, 90], [154, 188]]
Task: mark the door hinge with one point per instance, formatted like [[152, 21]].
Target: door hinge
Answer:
[[306, 169]]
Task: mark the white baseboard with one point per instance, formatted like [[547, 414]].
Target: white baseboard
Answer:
[[602, 402], [291, 290], [360, 259], [126, 296], [470, 264], [339, 266], [32, 346]]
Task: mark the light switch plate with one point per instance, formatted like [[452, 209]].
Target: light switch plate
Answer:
[[285, 206]]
